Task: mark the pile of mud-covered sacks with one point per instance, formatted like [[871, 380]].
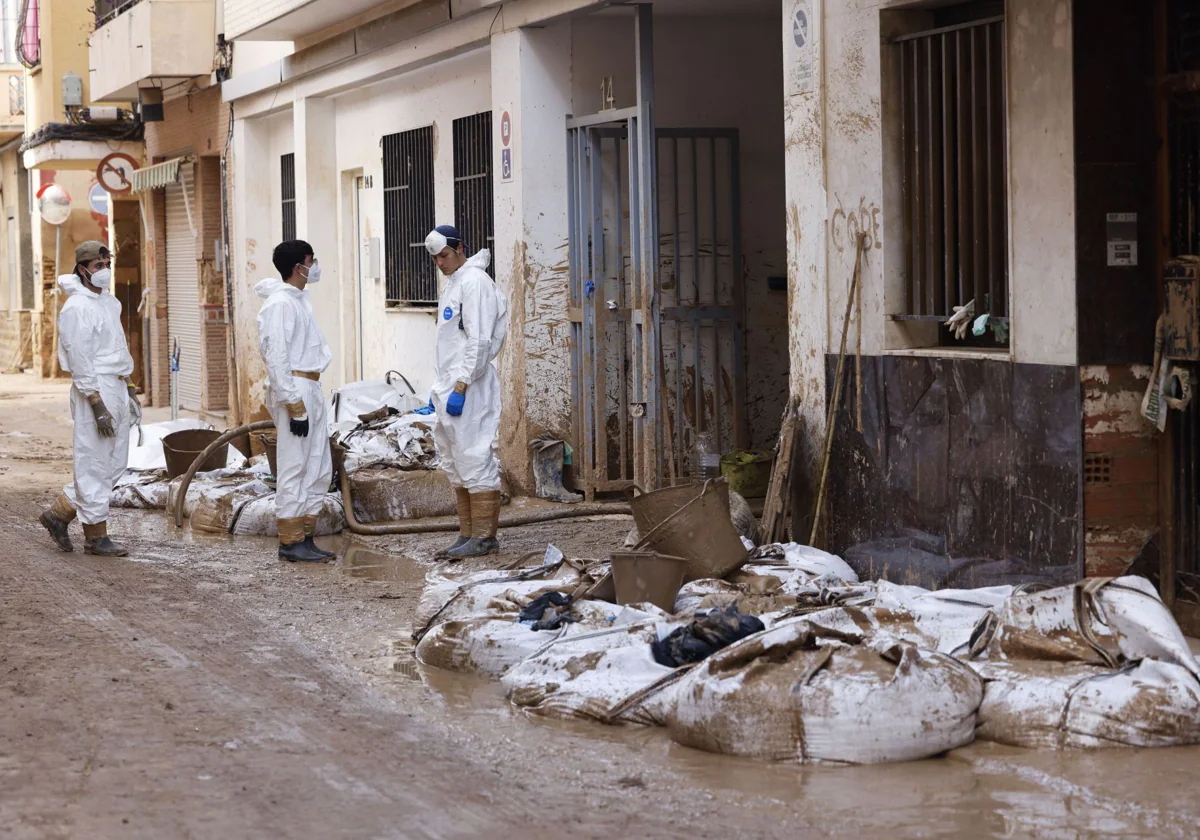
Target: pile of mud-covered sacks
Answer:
[[792, 658], [390, 458]]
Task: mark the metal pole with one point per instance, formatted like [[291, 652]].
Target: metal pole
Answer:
[[54, 293]]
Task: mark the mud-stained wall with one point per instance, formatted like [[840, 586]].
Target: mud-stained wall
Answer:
[[531, 79], [1120, 467], [965, 472]]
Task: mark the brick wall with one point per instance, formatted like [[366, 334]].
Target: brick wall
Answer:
[[1120, 469]]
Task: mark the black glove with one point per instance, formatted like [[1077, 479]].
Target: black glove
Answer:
[[104, 420], [299, 427]]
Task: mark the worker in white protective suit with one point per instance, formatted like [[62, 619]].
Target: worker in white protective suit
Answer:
[[472, 322], [296, 355], [104, 405]]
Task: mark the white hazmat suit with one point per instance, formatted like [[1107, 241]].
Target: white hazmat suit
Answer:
[[291, 342], [92, 348], [472, 323]]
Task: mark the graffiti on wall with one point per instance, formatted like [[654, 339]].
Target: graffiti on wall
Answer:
[[847, 225]]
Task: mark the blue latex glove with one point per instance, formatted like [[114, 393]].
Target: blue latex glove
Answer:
[[425, 410], [454, 405]]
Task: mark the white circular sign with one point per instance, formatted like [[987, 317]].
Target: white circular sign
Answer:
[[54, 205]]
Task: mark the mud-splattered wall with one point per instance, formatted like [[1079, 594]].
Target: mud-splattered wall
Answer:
[[965, 472]]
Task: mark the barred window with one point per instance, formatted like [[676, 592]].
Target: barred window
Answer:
[[954, 133], [408, 216], [287, 181], [473, 212]]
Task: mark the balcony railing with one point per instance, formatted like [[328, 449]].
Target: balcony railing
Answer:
[[107, 10]]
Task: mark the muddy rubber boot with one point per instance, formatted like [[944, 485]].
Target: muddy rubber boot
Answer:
[[462, 499], [57, 521], [300, 553], [485, 517], [293, 544], [310, 532], [96, 542]]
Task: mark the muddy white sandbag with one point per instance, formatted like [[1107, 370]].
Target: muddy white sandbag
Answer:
[[489, 645], [1100, 621], [259, 517], [1057, 705], [608, 677], [500, 591], [799, 693]]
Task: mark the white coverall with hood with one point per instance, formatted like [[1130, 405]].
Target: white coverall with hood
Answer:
[[289, 339], [92, 348], [472, 323]]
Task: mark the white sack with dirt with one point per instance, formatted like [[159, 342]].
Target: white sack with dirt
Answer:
[[943, 621], [496, 591], [1101, 621], [1058, 705], [799, 693], [777, 578], [248, 509], [489, 645], [592, 676]]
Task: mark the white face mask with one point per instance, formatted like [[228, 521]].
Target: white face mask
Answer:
[[102, 279], [314, 274]]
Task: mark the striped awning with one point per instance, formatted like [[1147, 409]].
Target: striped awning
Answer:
[[157, 176]]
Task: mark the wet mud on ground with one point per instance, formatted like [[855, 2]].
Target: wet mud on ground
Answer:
[[200, 688]]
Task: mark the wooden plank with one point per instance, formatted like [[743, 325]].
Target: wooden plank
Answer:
[[775, 508]]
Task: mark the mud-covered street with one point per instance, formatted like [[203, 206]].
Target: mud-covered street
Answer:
[[199, 688]]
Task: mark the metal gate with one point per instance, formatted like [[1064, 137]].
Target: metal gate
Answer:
[[657, 336], [183, 288]]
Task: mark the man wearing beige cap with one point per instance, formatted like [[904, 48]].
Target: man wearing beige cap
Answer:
[[92, 348]]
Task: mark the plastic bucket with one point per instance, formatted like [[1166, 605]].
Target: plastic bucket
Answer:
[[182, 448], [267, 441], [644, 576], [691, 521], [748, 472]]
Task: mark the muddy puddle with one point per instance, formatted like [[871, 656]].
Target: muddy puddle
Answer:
[[363, 561]]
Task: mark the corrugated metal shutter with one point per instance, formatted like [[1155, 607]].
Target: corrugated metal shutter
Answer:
[[183, 289]]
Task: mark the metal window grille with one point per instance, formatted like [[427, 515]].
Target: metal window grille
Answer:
[[473, 213], [408, 216], [955, 175], [16, 95], [287, 180]]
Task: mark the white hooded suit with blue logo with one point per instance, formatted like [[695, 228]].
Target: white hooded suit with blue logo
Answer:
[[472, 323]]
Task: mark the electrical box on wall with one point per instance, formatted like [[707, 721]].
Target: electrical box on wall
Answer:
[[1181, 333], [72, 90], [370, 258]]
